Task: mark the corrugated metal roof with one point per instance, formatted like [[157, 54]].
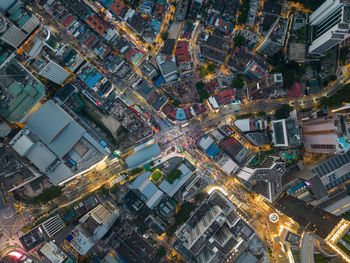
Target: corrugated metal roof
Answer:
[[55, 128], [171, 189], [143, 155]]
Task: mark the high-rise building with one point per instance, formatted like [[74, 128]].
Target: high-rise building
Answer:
[[265, 177], [330, 25], [17, 28], [319, 223], [215, 232], [51, 70], [328, 134], [275, 37]]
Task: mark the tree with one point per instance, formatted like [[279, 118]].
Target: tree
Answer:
[[171, 230], [48, 194], [283, 112], [176, 103], [184, 213], [238, 82], [161, 252], [238, 40], [173, 175], [211, 67], [165, 36], [202, 92]]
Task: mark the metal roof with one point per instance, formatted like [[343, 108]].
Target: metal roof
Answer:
[[143, 155], [171, 189], [55, 128]]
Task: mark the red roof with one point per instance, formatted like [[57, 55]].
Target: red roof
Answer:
[[227, 95], [188, 113], [181, 51], [117, 7], [68, 20], [90, 40], [212, 86], [97, 24], [295, 90], [230, 142]]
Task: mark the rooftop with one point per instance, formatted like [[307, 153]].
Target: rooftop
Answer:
[[61, 132], [19, 93], [143, 155]]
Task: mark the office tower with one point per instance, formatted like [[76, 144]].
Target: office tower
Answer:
[[330, 25], [319, 223], [328, 134], [18, 27], [275, 37], [265, 177], [51, 70]]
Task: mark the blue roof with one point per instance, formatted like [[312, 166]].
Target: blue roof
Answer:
[[296, 188], [159, 81], [180, 115], [140, 180], [149, 189], [212, 151], [91, 81], [142, 155]]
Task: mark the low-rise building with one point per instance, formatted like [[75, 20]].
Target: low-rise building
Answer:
[[53, 253], [63, 149], [20, 92], [286, 133], [168, 67], [150, 193]]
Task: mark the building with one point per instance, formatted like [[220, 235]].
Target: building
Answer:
[[51, 70], [53, 253], [275, 37], [285, 133], [321, 224], [20, 92], [92, 227], [168, 67], [312, 219], [15, 30], [216, 233], [53, 225], [265, 176], [181, 9], [330, 25], [142, 155], [62, 149], [328, 134], [150, 193], [330, 176], [172, 188]]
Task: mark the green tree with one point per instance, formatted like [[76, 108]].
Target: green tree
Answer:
[[184, 213], [48, 194], [165, 36], [161, 252], [171, 230], [202, 91], [283, 112], [238, 82], [173, 175], [238, 40], [211, 67], [176, 103]]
